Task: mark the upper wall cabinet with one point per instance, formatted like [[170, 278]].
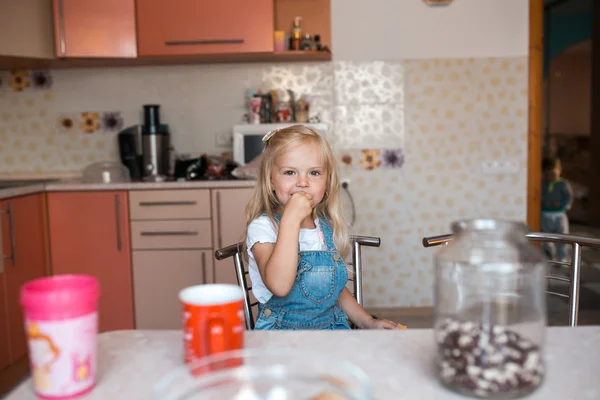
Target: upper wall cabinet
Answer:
[[189, 27], [26, 28], [94, 28]]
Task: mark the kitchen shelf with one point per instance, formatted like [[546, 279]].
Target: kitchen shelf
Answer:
[[284, 56]]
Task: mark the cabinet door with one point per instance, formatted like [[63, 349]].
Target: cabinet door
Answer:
[[26, 29], [89, 234], [229, 225], [4, 327], [204, 27], [158, 276], [27, 261], [94, 28]]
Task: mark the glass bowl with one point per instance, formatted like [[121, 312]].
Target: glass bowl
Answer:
[[106, 172], [266, 374]]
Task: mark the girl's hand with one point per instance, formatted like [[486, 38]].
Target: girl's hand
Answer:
[[299, 206], [381, 324]]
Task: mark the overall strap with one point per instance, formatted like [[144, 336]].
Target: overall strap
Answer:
[[327, 233]]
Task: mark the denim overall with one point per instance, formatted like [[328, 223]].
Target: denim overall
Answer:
[[312, 302]]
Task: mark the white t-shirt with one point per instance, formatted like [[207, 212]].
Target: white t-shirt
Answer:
[[261, 230]]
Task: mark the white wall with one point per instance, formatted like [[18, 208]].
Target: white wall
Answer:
[[409, 29]]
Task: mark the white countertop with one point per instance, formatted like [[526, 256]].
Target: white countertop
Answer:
[[78, 185], [398, 362]]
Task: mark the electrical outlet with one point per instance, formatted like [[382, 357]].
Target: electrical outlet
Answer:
[[224, 139], [346, 182], [500, 167]]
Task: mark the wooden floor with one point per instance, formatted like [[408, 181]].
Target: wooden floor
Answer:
[[414, 321]]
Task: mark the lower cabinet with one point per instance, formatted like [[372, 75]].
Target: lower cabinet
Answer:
[[89, 234], [158, 276], [229, 226], [24, 258]]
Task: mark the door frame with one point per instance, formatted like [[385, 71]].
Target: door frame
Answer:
[[534, 136]]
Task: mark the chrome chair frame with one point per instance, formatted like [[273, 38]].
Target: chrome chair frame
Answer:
[[234, 251], [576, 242]]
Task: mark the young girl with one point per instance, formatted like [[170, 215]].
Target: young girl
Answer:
[[297, 237]]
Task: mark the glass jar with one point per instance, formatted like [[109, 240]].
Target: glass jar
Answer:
[[266, 374], [490, 310]]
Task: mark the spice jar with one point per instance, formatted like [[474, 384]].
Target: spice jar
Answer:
[[490, 310]]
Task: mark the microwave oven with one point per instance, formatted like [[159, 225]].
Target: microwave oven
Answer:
[[247, 139]]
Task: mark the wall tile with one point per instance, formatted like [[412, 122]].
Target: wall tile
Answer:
[[443, 116], [367, 126], [369, 82]]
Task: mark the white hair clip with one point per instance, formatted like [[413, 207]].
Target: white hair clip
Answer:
[[269, 135]]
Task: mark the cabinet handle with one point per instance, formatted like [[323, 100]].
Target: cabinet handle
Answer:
[[170, 233], [204, 268], [167, 203], [61, 29], [209, 41], [118, 220], [11, 230], [11, 223], [219, 237]]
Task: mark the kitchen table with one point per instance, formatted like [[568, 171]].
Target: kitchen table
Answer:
[[399, 363]]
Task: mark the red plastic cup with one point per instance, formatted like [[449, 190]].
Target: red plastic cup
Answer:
[[61, 323], [213, 319]]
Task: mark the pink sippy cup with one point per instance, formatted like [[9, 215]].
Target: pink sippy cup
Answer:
[[61, 323]]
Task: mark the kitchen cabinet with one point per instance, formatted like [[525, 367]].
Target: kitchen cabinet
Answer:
[[194, 27], [24, 253], [89, 234], [26, 29], [4, 343], [172, 248], [95, 28], [159, 276], [229, 225]]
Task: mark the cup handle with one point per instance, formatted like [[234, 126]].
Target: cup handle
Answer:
[[215, 334]]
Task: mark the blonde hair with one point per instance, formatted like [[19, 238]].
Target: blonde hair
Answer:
[[264, 201]]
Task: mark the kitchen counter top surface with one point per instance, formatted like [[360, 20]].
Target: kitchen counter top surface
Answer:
[[16, 188]]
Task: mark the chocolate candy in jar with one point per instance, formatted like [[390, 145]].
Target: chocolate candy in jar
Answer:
[[490, 310]]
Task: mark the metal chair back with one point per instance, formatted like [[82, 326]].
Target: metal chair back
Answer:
[[574, 281], [241, 271]]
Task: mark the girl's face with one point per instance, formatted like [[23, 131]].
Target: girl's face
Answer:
[[299, 170], [553, 174]]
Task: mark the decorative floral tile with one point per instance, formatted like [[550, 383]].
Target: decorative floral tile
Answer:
[[90, 122], [20, 80], [111, 121], [366, 125], [41, 79], [392, 158], [373, 82], [66, 122], [370, 159]]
